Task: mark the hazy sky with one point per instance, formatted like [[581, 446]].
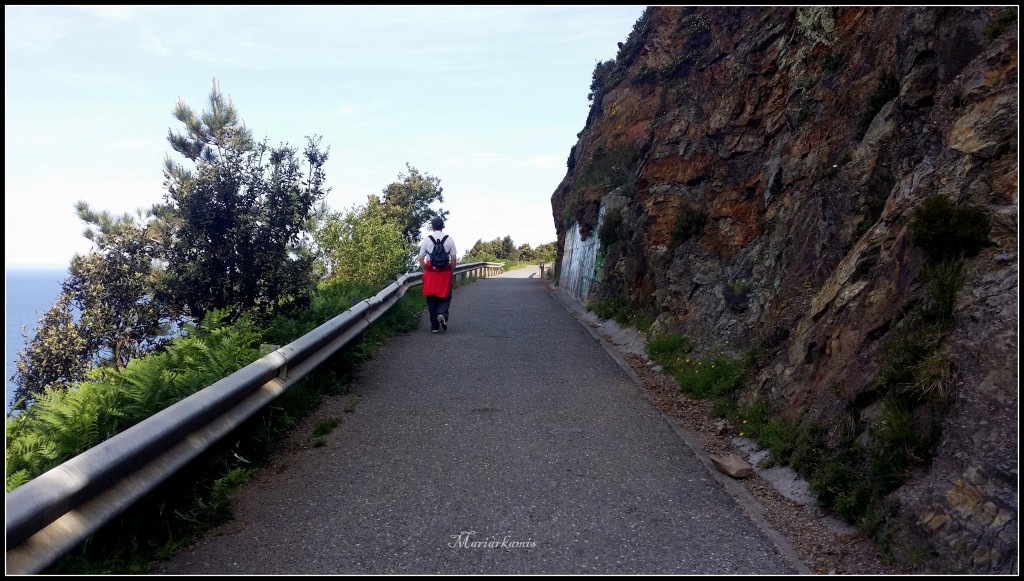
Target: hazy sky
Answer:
[[488, 99]]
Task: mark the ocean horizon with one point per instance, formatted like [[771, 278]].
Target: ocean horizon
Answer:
[[28, 293]]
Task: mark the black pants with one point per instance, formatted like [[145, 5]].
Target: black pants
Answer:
[[437, 306]]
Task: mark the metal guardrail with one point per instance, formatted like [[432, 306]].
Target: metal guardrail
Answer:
[[53, 513]]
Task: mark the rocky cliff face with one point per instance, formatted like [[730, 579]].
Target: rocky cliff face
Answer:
[[766, 167]]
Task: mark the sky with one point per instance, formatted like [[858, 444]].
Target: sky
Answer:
[[487, 99]]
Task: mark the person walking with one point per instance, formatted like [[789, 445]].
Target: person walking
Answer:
[[437, 257]]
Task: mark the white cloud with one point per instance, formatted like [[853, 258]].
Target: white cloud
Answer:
[[486, 98], [546, 161]]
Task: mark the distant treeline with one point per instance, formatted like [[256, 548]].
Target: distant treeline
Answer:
[[504, 249]]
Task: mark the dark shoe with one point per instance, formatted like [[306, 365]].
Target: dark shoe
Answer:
[[433, 330], [442, 322]]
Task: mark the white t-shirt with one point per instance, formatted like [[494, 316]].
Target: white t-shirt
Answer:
[[426, 245]]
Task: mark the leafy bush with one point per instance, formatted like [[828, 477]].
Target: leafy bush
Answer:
[[905, 347], [568, 217], [328, 301], [608, 307], [900, 445], [603, 80], [611, 169], [629, 50], [222, 486], [669, 348], [362, 245], [689, 224], [711, 378], [770, 432], [944, 281], [643, 322], [886, 90], [809, 448], [617, 308], [62, 424], [840, 484], [831, 60], [610, 231], [945, 230], [1003, 21]]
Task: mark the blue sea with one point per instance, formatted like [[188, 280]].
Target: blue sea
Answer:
[[28, 293]]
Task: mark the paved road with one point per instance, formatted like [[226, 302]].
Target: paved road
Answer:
[[533, 453]]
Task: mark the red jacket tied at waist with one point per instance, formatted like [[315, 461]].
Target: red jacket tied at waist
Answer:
[[437, 283]]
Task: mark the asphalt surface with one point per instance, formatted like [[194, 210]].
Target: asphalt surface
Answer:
[[532, 452]]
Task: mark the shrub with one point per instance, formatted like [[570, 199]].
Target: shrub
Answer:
[[610, 231], [901, 444], [606, 75], [779, 438], [840, 486], [643, 322], [611, 169], [329, 299], [944, 281], [568, 216], [1003, 21], [617, 308], [711, 378], [831, 60], [689, 224], [905, 347], [886, 90], [945, 230], [933, 376], [629, 50], [668, 348], [62, 424], [809, 448], [769, 431], [608, 307]]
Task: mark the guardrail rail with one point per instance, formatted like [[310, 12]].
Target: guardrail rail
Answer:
[[51, 514]]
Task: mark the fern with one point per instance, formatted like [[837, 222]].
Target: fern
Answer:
[[62, 424], [17, 479]]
